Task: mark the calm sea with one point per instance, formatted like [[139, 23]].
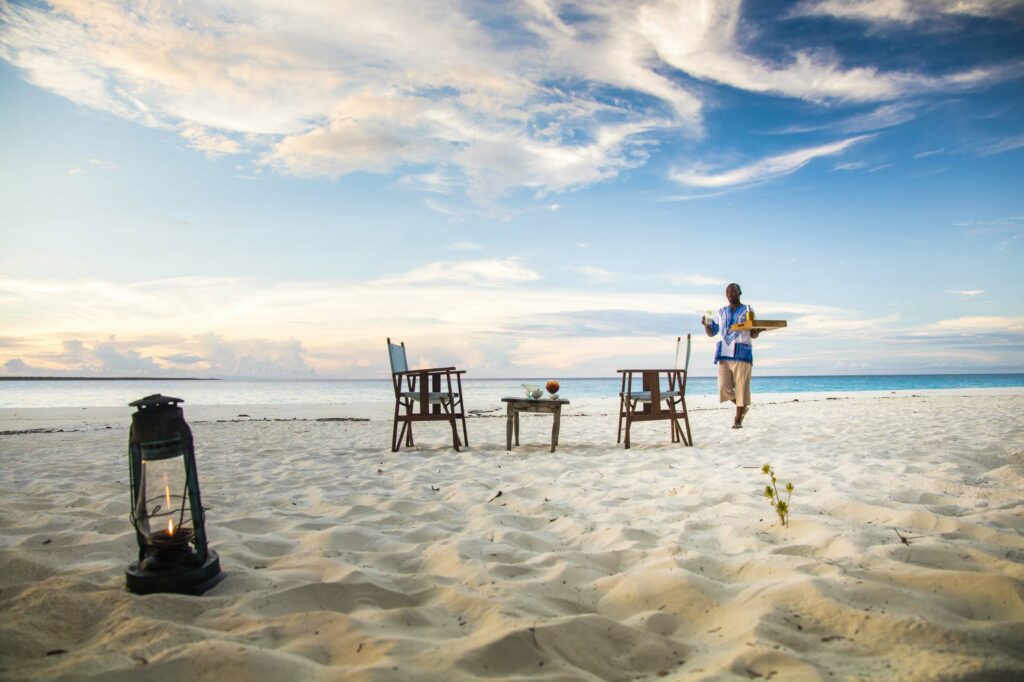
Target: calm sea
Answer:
[[114, 393]]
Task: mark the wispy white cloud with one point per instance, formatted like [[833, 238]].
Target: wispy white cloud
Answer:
[[437, 181], [465, 246], [849, 166], [977, 228], [885, 116], [96, 164], [976, 324], [765, 169], [392, 88], [930, 152], [966, 292], [1006, 243], [1005, 145], [817, 324], [568, 352], [490, 272], [594, 274], [207, 141], [477, 99], [929, 173], [103, 165], [903, 11], [701, 39], [691, 197], [694, 279]]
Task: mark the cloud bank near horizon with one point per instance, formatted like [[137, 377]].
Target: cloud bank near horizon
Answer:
[[336, 330]]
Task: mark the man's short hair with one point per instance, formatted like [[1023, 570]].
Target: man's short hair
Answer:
[[733, 285]]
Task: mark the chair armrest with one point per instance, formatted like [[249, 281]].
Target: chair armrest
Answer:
[[432, 370], [436, 370]]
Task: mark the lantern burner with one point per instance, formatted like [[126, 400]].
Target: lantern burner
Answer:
[[169, 552]]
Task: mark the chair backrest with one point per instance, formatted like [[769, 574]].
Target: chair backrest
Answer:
[[397, 355], [679, 341]]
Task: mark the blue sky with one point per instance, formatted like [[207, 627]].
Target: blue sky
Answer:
[[520, 188]]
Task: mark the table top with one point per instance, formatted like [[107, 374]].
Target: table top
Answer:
[[635, 371], [543, 401]]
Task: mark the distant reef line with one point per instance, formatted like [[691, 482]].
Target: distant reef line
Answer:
[[108, 379]]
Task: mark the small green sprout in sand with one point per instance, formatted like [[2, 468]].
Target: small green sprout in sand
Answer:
[[780, 505]]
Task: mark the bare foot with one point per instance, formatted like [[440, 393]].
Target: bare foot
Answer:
[[741, 412]]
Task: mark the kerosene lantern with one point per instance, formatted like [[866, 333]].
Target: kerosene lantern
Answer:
[[167, 510]]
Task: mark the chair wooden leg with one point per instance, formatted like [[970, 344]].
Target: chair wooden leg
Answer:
[[455, 433], [679, 410], [686, 420], [682, 436], [395, 440], [674, 427], [449, 409], [405, 433], [622, 403], [630, 408], [462, 408]]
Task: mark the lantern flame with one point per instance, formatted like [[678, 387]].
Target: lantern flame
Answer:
[[170, 526]]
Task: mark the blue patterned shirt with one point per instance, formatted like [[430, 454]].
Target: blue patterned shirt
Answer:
[[732, 345]]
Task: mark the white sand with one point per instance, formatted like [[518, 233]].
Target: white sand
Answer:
[[346, 561]]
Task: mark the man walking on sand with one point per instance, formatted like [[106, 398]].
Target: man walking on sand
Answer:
[[733, 353]]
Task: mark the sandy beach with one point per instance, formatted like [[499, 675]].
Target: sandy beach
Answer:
[[904, 558]]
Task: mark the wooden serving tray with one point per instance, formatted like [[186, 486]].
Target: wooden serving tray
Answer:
[[758, 325]]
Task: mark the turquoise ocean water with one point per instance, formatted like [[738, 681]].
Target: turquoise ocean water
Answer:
[[114, 393]]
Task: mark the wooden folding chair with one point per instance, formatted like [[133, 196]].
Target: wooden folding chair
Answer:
[[424, 395], [651, 403]]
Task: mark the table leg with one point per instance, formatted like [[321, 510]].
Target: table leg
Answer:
[[508, 428], [517, 427], [555, 427]]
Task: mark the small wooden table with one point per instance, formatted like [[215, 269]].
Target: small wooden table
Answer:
[[541, 405]]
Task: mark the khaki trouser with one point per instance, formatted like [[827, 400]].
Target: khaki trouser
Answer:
[[734, 382]]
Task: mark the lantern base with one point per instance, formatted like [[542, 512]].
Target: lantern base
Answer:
[[179, 579]]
